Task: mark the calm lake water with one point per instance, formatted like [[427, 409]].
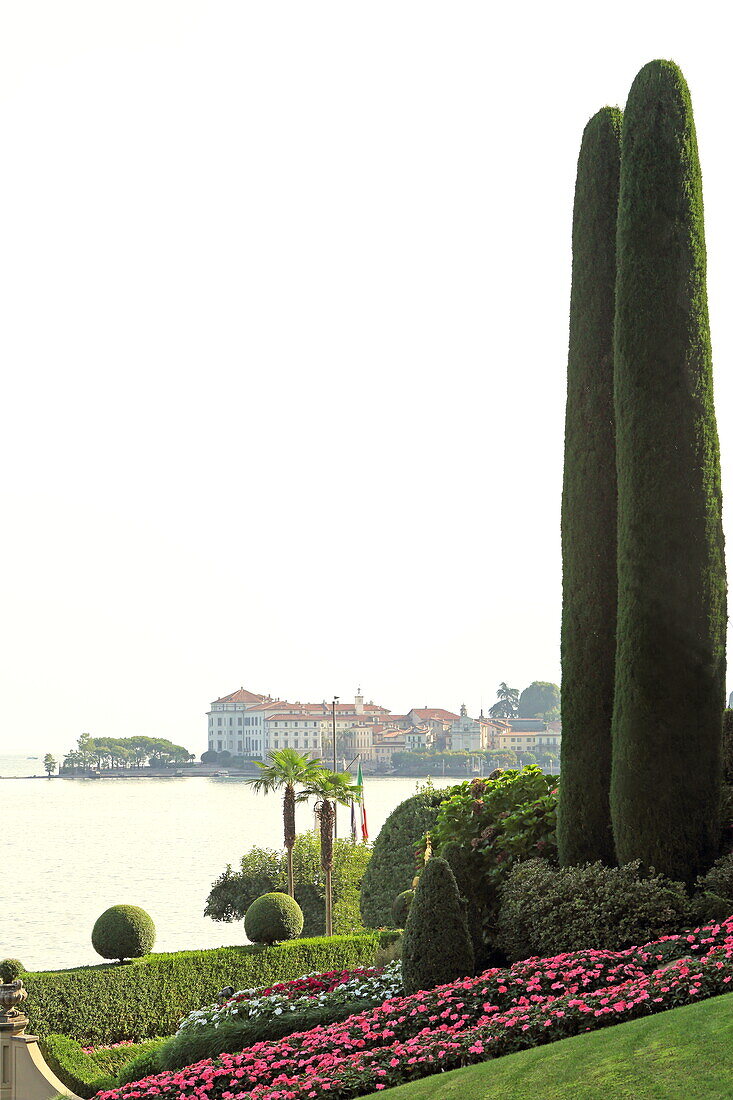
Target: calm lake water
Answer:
[[71, 848]]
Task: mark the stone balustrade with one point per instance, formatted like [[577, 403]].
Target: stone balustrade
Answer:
[[24, 1074]]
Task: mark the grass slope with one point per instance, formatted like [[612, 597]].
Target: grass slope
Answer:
[[684, 1053]]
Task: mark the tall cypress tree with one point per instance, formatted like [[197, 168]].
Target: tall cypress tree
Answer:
[[588, 644], [670, 660]]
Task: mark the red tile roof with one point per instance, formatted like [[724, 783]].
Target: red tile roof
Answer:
[[436, 714], [241, 696]]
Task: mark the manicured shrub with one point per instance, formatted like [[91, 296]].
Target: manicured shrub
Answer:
[[392, 867], [142, 1064], [109, 1004], [436, 947], [77, 1069], [401, 907], [670, 658], [262, 871], [10, 969], [273, 918], [123, 932], [588, 637], [460, 863], [549, 911]]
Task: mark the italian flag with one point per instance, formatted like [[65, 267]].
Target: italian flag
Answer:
[[362, 807]]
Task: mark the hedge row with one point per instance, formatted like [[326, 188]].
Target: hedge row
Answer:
[[148, 997], [78, 1070]]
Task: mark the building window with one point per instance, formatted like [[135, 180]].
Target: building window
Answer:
[[239, 720], [239, 743], [218, 721], [219, 745]]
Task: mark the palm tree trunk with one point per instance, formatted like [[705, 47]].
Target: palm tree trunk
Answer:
[[327, 857], [329, 904], [289, 829]]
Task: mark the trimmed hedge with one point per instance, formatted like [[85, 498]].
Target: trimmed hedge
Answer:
[[78, 1070], [148, 997]]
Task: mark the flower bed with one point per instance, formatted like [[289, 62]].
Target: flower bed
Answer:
[[325, 990], [536, 1001]]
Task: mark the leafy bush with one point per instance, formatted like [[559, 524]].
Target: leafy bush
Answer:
[[436, 947], [10, 969], [142, 1064], [263, 871], [273, 918], [497, 823], [549, 911], [123, 932], [77, 1069], [108, 1004], [393, 867], [401, 907]]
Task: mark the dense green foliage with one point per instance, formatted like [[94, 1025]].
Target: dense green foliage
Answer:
[[262, 871], [10, 969], [588, 638], [684, 1054], [108, 1004], [717, 887], [670, 662], [78, 1071], [728, 746], [436, 947], [498, 822], [547, 911], [123, 932], [458, 858], [273, 918], [123, 752], [540, 698], [392, 867]]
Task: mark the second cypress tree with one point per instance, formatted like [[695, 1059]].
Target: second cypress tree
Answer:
[[588, 646], [670, 661]]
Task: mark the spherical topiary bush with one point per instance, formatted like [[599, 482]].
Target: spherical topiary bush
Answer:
[[272, 918], [401, 907], [10, 969], [123, 932]]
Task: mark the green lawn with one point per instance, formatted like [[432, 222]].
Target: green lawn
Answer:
[[684, 1053]]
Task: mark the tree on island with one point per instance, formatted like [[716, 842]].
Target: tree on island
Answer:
[[286, 770], [538, 699], [670, 658], [49, 763], [508, 702]]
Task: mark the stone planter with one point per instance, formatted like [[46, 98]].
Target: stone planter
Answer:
[[11, 995]]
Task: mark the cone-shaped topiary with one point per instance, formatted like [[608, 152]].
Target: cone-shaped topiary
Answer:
[[436, 946], [273, 918], [123, 932], [670, 660], [588, 643]]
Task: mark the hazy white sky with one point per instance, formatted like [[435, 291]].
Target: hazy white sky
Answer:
[[284, 296]]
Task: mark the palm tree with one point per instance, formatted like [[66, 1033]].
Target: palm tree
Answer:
[[286, 768], [331, 788]]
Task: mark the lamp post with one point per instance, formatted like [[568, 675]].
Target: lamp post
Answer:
[[333, 719]]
